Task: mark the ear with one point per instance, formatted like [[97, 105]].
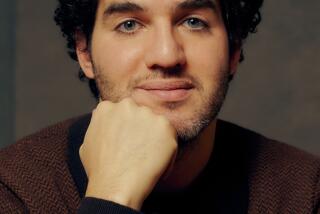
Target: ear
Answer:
[[234, 60], [83, 54]]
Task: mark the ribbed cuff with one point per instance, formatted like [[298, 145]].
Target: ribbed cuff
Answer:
[[96, 206]]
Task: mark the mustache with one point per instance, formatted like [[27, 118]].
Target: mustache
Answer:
[[164, 76]]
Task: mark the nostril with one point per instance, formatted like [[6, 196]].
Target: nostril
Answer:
[[177, 69]]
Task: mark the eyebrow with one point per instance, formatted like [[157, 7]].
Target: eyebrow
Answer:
[[124, 7], [130, 7], [197, 4]]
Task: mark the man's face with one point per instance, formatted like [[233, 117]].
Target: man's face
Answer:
[[169, 55]]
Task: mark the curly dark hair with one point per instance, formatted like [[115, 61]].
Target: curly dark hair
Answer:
[[241, 17]]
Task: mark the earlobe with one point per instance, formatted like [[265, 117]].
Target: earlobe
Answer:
[[84, 56], [234, 61]]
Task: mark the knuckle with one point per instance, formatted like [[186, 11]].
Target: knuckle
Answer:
[[81, 151], [102, 105], [94, 113], [126, 103], [163, 120], [146, 109], [166, 124], [174, 145]]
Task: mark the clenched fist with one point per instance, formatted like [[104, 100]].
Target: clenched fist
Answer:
[[126, 150]]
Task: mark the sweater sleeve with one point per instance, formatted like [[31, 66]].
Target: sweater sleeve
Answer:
[[9, 202], [317, 202], [98, 206]]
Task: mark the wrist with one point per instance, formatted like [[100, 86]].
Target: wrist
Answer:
[[115, 195]]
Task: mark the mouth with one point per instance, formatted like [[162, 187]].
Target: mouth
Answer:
[[168, 91]]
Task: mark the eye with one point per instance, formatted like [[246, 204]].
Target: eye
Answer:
[[195, 23], [128, 26]]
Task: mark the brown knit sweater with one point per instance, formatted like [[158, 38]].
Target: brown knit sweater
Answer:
[[247, 173]]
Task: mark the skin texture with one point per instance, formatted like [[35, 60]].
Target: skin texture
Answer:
[[123, 161], [120, 159]]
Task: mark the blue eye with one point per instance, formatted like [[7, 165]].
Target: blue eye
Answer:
[[196, 23], [128, 26]]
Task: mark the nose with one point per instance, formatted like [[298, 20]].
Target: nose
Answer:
[[165, 51]]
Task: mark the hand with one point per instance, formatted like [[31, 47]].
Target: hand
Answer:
[[126, 150]]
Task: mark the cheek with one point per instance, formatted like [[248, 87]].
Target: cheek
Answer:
[[117, 61], [208, 60]]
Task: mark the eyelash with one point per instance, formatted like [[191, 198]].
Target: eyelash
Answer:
[[205, 25], [124, 22]]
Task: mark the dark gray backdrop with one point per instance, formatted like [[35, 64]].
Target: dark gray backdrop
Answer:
[[276, 91], [7, 20]]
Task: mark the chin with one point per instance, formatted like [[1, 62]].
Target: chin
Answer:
[[188, 124]]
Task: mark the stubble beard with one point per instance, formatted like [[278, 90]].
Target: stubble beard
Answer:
[[187, 129]]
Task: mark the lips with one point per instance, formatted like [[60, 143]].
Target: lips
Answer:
[[166, 85], [169, 91]]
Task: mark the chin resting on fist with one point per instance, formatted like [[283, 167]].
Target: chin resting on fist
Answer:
[[126, 150]]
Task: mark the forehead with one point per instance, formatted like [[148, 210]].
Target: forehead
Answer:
[[155, 5]]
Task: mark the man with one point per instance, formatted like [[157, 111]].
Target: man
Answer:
[[153, 144]]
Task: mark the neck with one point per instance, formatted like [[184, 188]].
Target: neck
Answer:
[[190, 162]]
